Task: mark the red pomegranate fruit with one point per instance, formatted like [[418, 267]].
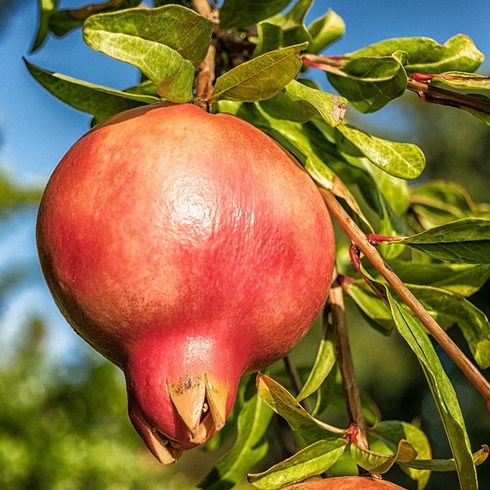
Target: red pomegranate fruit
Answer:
[[187, 248], [345, 483]]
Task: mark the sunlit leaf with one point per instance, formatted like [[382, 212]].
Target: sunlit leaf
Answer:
[[447, 464], [371, 305], [403, 160], [442, 391], [392, 431], [115, 36], [45, 8], [244, 13], [269, 37], [463, 241], [261, 77], [425, 55], [325, 30], [459, 80], [250, 447], [298, 102], [323, 365], [369, 83], [381, 463], [284, 404], [179, 28], [101, 102], [63, 21], [310, 461]]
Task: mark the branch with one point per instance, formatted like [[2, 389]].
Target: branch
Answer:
[[292, 373], [206, 71], [335, 307], [361, 241], [436, 95]]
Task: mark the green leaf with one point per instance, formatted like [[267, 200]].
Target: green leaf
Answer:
[[439, 201], [381, 463], [392, 431], [461, 279], [323, 365], [442, 391], [371, 305], [463, 241], [447, 464], [369, 83], [101, 102], [310, 461], [325, 30], [171, 73], [449, 309], [179, 28], [261, 77], [284, 404], [269, 37], [45, 8], [244, 13], [460, 80], [402, 160], [298, 102], [63, 21], [297, 14], [250, 447], [425, 55]]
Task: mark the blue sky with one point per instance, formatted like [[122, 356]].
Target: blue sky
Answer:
[[36, 129]]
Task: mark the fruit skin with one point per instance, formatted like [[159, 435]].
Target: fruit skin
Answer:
[[187, 248], [345, 483]]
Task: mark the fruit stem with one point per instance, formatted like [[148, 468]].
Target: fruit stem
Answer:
[[335, 312], [206, 72], [361, 241]]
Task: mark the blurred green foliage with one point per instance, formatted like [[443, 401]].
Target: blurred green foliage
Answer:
[[64, 428]]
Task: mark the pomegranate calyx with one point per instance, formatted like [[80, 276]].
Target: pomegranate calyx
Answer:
[[162, 448], [200, 402]]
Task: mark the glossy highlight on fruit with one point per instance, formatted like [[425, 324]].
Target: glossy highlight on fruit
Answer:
[[188, 248]]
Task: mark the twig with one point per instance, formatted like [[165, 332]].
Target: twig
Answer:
[[206, 73], [335, 308], [292, 373], [361, 241], [437, 95], [202, 7], [416, 83]]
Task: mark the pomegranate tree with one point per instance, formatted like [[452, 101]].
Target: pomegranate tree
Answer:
[[188, 248], [186, 237]]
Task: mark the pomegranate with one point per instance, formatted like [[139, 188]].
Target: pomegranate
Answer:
[[345, 483], [188, 249]]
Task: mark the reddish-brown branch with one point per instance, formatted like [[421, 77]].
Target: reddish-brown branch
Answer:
[[438, 95], [206, 72], [336, 311], [361, 241]]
